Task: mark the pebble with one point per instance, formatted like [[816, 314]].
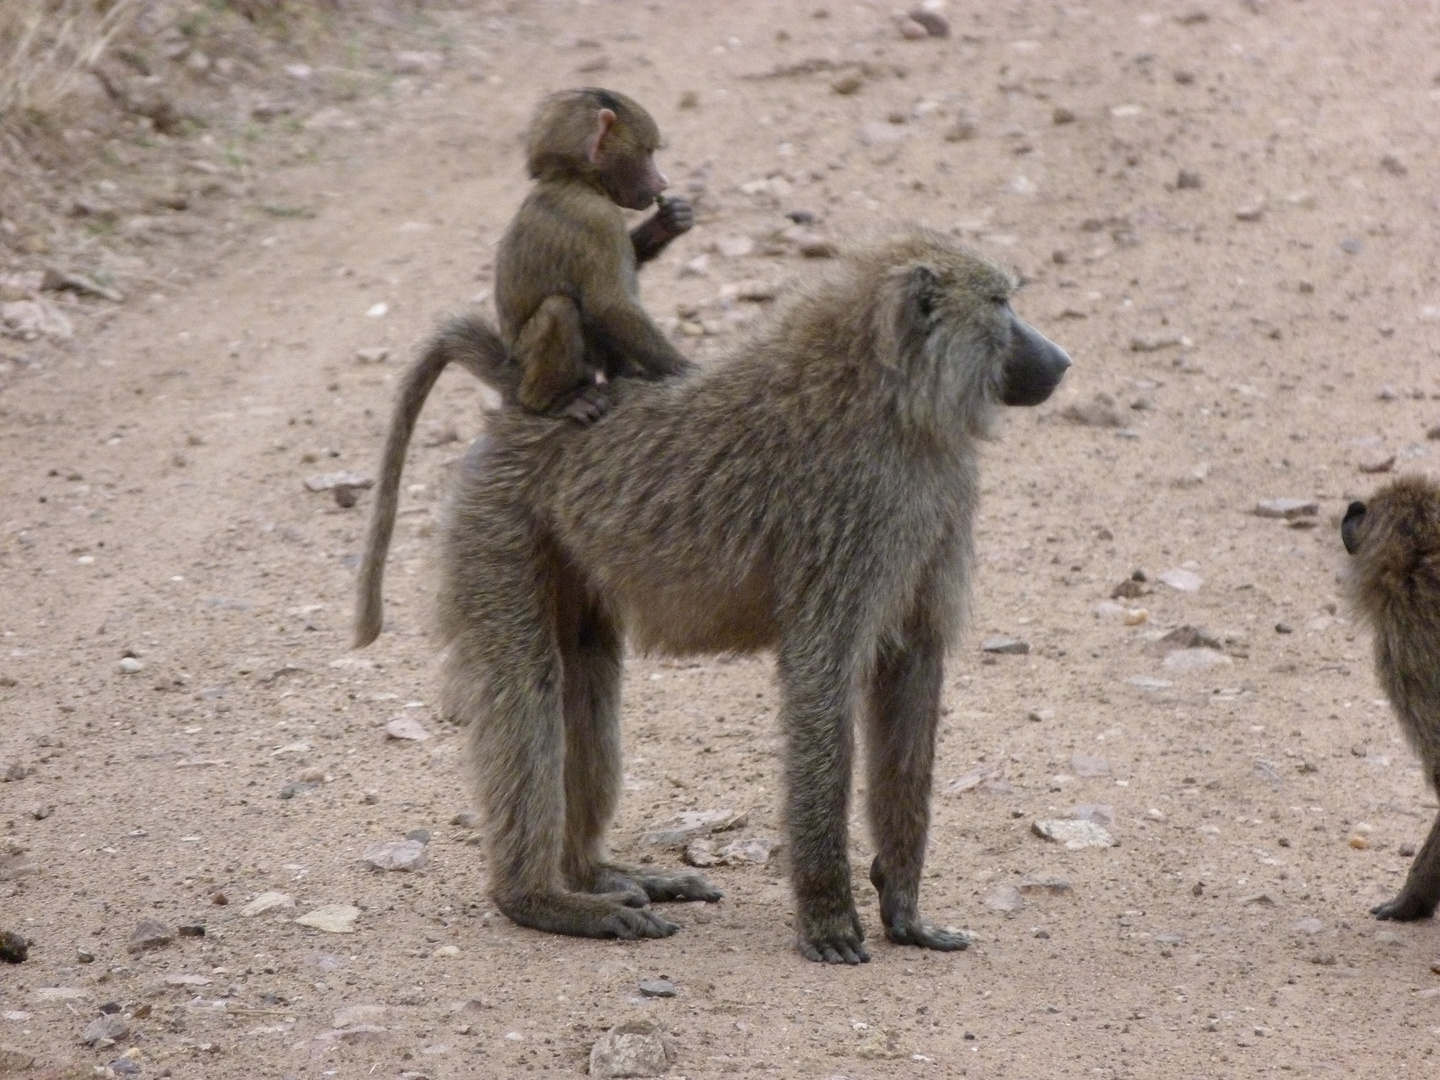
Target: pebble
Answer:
[[328, 481], [935, 24], [105, 1031], [150, 934], [1155, 814], [219, 899], [266, 902], [1405, 850], [15, 1060], [1195, 660], [1081, 765], [848, 83], [1044, 884], [754, 850], [1005, 898], [406, 728], [467, 819], [962, 130], [1287, 508], [14, 949], [1074, 835], [1005, 645], [689, 824], [1359, 841], [657, 988], [1251, 211], [377, 355], [1376, 464], [980, 776], [1155, 342], [752, 290], [128, 665], [912, 30], [332, 918], [1099, 813], [296, 787], [1102, 410], [1308, 925], [1136, 616], [84, 956], [311, 775], [1181, 580], [1187, 179], [635, 1048], [396, 855], [1061, 115], [1149, 682], [446, 950]]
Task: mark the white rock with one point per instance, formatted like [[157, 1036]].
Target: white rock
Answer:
[[1181, 580], [406, 728], [636, 1048], [1075, 835], [267, 901], [186, 980], [329, 481], [332, 918], [351, 1015], [396, 855], [1200, 659], [128, 665], [1004, 898], [692, 823]]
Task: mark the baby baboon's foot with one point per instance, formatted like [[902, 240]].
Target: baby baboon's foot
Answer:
[[592, 403], [926, 935], [836, 940], [662, 887], [1406, 907], [585, 915]]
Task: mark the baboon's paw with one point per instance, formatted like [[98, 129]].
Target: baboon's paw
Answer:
[[927, 936], [839, 940], [1405, 908], [629, 924], [663, 887]]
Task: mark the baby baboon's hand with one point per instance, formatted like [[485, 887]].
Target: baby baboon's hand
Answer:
[[674, 216]]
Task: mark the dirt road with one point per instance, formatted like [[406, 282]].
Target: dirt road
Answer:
[[1227, 213]]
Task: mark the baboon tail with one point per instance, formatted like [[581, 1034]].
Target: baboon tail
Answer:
[[472, 343]]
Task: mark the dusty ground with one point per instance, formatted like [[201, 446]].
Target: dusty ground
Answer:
[[1263, 335]]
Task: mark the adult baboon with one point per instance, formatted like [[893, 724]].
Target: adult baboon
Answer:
[[814, 494], [1394, 585], [565, 272]]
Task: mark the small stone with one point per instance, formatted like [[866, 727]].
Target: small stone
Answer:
[[191, 929], [752, 291], [1183, 637], [396, 855], [1136, 616], [1155, 342], [1264, 899], [290, 790], [332, 918], [1433, 432], [1351, 246], [311, 775], [13, 1060], [1155, 814], [1284, 628], [329, 481], [1181, 580], [1392, 164], [1044, 885], [935, 24], [406, 728], [657, 988], [690, 824], [1251, 211], [345, 496], [1099, 813], [187, 980], [1005, 898], [446, 950], [1061, 115], [84, 956], [1195, 660], [848, 83], [1405, 850], [467, 819], [1377, 464], [14, 949], [149, 934], [1289, 509], [376, 355], [106, 1031], [219, 899], [1187, 180], [1005, 646], [912, 30], [267, 902], [1102, 410], [128, 665], [962, 130], [1074, 835], [635, 1048], [1308, 925], [1359, 841]]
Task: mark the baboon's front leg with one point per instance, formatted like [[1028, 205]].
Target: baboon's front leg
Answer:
[[818, 720], [901, 722], [1421, 892]]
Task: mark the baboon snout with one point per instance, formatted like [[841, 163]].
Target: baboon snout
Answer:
[[1034, 367], [1350, 526]]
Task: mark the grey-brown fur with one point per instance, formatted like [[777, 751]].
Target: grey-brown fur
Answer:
[[813, 494], [1394, 586], [566, 288]]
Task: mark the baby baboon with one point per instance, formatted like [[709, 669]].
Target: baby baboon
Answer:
[[565, 274], [813, 494], [1394, 585]]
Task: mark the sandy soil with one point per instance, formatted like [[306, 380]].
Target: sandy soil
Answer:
[[1271, 332]]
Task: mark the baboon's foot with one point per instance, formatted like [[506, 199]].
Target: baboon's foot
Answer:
[[1406, 907], [657, 887], [585, 915], [616, 887], [926, 935], [589, 405], [834, 940]]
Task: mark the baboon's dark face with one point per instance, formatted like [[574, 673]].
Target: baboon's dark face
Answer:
[[1034, 366], [1350, 526]]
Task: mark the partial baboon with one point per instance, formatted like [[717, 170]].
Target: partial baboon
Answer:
[[814, 494], [565, 273], [1394, 585]]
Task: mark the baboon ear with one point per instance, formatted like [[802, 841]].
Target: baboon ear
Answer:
[[604, 120], [923, 290]]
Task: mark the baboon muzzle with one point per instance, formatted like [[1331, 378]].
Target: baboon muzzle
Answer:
[[1034, 367]]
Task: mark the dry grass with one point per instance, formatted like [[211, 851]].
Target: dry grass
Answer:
[[46, 46]]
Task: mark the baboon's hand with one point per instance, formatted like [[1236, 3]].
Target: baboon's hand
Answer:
[[592, 403], [1405, 908], [674, 216], [835, 941], [928, 936], [629, 924]]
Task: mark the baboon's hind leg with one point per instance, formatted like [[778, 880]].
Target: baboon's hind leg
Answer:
[[1421, 892], [592, 650], [901, 721], [503, 674]]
